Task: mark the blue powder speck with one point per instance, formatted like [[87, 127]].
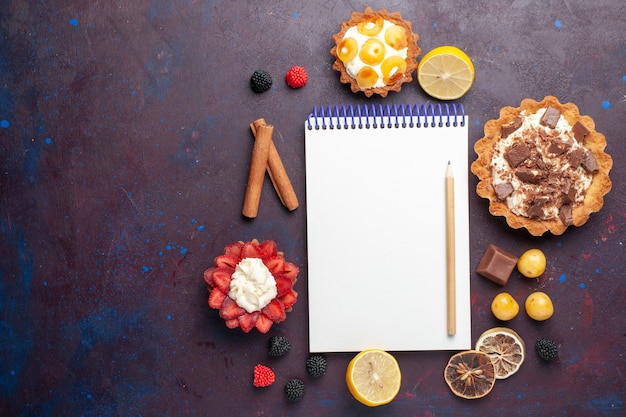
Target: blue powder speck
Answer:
[[582, 285], [144, 269], [169, 317], [183, 251], [477, 123], [200, 228], [606, 104], [4, 124], [48, 141], [435, 25], [624, 78], [558, 23], [168, 247], [563, 278], [296, 15], [597, 270], [73, 21]]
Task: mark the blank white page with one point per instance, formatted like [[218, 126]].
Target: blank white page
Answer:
[[376, 233]]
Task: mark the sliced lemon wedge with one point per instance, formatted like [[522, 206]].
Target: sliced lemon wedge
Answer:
[[446, 73]]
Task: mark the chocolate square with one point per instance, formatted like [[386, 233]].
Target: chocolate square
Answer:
[[550, 117], [511, 127], [558, 147], [590, 164], [580, 131], [565, 214], [497, 265], [503, 190], [575, 157], [529, 175], [517, 154]]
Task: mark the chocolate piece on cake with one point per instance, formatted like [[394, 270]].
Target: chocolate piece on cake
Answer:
[[497, 265], [565, 214], [517, 154], [530, 175], [558, 148], [503, 190], [550, 117], [511, 127], [590, 164], [580, 131], [535, 211], [576, 157]]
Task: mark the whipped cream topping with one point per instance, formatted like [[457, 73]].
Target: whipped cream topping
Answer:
[[356, 64], [541, 137], [252, 285]]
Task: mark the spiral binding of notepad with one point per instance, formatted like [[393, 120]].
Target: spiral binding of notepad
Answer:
[[386, 116]]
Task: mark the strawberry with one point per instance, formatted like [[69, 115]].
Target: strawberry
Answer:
[[230, 309], [296, 77], [251, 250], [263, 376], [221, 279], [289, 299], [283, 285], [263, 323], [248, 321], [216, 298], [233, 249], [275, 264], [268, 248], [275, 310], [290, 271], [227, 261]]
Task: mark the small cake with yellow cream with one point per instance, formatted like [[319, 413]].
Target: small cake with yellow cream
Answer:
[[375, 52]]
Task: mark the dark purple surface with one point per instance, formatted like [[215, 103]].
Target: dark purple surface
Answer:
[[124, 145]]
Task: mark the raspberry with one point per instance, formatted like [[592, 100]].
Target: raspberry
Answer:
[[294, 390], [260, 81], [279, 346], [316, 366], [547, 349], [263, 376], [296, 77]]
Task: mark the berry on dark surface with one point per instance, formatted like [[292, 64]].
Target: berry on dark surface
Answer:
[[316, 366], [547, 349], [260, 81], [296, 77], [263, 376], [278, 346], [294, 389]]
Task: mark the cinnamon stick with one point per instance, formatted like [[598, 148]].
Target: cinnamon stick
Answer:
[[277, 172], [258, 166]]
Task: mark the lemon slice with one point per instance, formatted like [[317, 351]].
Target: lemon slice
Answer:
[[373, 377], [470, 374], [505, 348], [445, 73]]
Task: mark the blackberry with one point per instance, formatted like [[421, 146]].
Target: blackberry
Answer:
[[547, 349], [294, 390], [316, 366], [279, 346], [260, 81]]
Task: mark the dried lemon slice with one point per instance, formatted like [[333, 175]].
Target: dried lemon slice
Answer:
[[373, 377], [505, 348], [470, 374], [446, 73]]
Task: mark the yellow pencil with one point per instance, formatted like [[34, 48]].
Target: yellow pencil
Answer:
[[450, 255]]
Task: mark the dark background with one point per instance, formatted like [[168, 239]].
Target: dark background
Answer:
[[124, 152]]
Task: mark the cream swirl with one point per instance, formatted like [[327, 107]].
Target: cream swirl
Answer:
[[252, 285]]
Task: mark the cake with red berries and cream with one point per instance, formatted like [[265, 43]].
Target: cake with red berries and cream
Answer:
[[251, 285], [542, 166], [375, 52]]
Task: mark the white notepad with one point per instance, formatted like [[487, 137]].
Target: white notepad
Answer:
[[376, 233]]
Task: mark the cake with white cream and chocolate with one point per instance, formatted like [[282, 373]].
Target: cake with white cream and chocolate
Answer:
[[542, 166], [376, 52]]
